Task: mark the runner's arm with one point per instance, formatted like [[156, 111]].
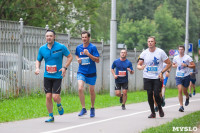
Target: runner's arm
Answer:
[[140, 65], [95, 59], [69, 60]]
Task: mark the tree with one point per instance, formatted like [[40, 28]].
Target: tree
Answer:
[[135, 34], [170, 29]]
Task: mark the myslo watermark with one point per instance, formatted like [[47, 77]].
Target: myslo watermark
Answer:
[[178, 129]]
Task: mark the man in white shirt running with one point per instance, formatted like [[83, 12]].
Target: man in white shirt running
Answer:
[[183, 63], [151, 62]]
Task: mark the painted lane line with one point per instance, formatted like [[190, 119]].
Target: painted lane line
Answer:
[[122, 116]]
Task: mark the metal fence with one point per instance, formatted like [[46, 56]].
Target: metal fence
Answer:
[[19, 47]]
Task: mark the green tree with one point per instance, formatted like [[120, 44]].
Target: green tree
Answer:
[[170, 29], [135, 34]]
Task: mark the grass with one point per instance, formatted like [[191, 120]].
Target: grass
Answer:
[[190, 120], [34, 106]]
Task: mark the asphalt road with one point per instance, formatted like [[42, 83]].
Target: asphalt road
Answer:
[[108, 120]]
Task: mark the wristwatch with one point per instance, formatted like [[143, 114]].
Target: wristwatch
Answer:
[[65, 68]]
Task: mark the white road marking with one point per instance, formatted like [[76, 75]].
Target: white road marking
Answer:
[[122, 116]]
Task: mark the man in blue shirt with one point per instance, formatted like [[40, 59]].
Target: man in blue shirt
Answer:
[[122, 66], [87, 56], [52, 52]]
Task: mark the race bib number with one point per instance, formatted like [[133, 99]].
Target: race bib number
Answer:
[[152, 69], [85, 61], [122, 73], [180, 74], [51, 68]]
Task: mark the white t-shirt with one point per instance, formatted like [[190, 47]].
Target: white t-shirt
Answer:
[[154, 62], [182, 71]]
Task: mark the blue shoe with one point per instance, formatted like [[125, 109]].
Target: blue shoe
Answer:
[[190, 95], [181, 109], [60, 110], [194, 92], [51, 119], [156, 109], [162, 102], [92, 112], [187, 101], [83, 112]]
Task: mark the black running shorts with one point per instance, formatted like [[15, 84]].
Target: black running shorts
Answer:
[[52, 85], [152, 84], [121, 85]]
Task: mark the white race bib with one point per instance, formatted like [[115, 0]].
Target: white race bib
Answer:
[[180, 74], [122, 73], [152, 69], [51, 68], [85, 61]]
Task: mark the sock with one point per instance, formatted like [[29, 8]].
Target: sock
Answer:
[[51, 114], [58, 105]]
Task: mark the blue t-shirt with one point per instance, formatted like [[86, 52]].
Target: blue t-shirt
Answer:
[[121, 66], [87, 66], [53, 59]]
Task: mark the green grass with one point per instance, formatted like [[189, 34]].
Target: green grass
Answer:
[[190, 120], [34, 106]]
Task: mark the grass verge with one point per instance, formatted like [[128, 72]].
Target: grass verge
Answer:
[[34, 106], [184, 124]]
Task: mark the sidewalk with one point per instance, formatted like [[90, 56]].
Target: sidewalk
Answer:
[[108, 120]]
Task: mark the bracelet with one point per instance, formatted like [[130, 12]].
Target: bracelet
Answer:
[[65, 68], [187, 65], [168, 71], [162, 72]]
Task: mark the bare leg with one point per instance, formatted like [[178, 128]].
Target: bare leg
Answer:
[[180, 96], [81, 92], [92, 94], [124, 96], [49, 102]]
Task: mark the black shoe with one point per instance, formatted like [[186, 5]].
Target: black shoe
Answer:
[[190, 95], [121, 99], [181, 109], [161, 113], [123, 107], [162, 102], [152, 116], [187, 101], [156, 109]]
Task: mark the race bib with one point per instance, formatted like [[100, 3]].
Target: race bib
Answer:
[[51, 68], [122, 73], [85, 61], [180, 74], [152, 69]]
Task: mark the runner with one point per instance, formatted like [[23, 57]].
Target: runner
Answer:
[[87, 55], [151, 62], [162, 94], [183, 63], [122, 66], [52, 52], [193, 73]]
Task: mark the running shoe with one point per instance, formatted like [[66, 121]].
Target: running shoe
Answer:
[[161, 113], [181, 109], [194, 92], [152, 116], [121, 99], [51, 119], [190, 95], [187, 101], [123, 107], [60, 110], [83, 112], [162, 102], [156, 109], [92, 112]]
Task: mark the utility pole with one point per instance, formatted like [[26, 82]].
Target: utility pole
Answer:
[[186, 28], [113, 41]]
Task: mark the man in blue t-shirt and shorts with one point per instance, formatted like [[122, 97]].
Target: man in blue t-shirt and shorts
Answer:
[[122, 66], [52, 52], [87, 56]]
